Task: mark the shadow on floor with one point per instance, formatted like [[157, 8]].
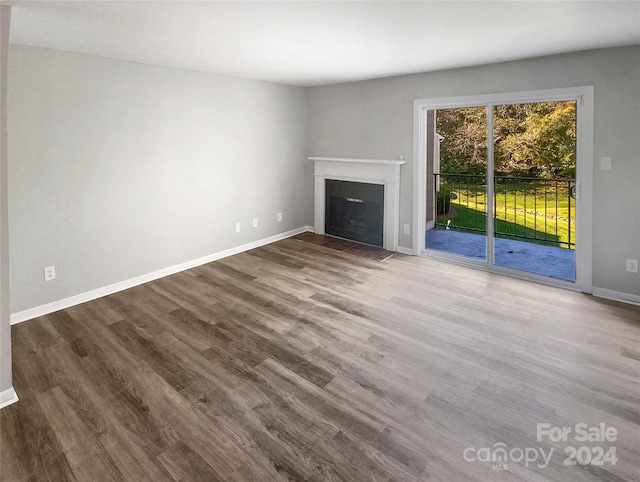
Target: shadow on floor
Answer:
[[509, 253]]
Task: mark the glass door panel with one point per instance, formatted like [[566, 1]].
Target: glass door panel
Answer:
[[534, 155], [456, 218]]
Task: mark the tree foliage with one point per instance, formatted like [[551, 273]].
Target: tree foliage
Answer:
[[464, 147], [535, 139]]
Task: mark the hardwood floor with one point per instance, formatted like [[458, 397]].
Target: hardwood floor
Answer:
[[298, 362]]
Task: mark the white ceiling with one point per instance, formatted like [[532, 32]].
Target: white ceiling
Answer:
[[313, 43]]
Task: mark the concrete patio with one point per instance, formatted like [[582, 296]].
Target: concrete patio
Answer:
[[509, 253]]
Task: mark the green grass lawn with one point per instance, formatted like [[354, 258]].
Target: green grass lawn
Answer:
[[531, 210]]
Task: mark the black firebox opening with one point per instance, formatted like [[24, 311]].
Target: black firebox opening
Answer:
[[354, 210]]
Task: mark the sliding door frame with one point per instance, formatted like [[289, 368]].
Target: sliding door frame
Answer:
[[584, 177]]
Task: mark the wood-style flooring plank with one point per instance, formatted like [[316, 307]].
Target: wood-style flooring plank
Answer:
[[295, 361]]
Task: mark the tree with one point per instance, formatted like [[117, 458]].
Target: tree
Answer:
[[536, 139], [464, 147]]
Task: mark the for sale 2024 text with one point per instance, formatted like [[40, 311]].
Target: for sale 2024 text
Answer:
[[582, 433]]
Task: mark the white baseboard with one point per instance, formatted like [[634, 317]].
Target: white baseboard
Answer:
[[7, 397], [616, 296], [130, 283], [403, 250]]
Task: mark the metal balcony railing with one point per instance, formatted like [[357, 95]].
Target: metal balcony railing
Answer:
[[530, 208]]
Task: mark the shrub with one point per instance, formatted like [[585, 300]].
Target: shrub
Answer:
[[444, 200]]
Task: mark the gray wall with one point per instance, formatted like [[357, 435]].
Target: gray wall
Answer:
[[106, 157], [5, 328], [118, 169], [374, 119]]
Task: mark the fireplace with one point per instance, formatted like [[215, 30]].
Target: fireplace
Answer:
[[354, 210], [383, 175]]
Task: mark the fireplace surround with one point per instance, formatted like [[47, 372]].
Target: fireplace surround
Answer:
[[368, 171]]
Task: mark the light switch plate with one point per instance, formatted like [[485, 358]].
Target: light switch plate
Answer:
[[605, 163]]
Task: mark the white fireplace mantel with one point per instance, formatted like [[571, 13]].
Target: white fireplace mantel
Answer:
[[371, 171]]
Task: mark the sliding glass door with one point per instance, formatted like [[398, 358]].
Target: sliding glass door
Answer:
[[500, 183]]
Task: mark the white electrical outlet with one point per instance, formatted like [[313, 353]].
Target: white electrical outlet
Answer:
[[279, 217], [632, 265], [255, 222], [407, 229], [50, 273], [605, 163], [237, 227]]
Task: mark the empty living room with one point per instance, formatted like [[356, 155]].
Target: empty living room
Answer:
[[319, 240]]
